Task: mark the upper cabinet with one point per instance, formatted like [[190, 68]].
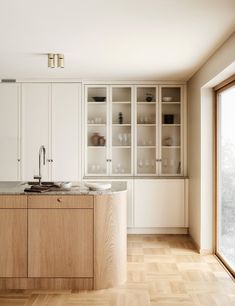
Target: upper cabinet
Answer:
[[36, 129], [9, 132], [108, 130], [146, 130], [134, 130], [171, 130], [50, 117]]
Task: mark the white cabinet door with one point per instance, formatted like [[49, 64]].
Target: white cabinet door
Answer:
[[9, 132], [66, 131], [159, 203], [35, 127]]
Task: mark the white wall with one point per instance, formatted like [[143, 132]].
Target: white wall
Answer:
[[220, 66]]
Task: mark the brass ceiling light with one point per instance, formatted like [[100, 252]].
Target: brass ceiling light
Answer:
[[51, 60], [55, 60], [60, 60]]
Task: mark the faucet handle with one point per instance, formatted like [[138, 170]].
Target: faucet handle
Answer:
[[37, 177]]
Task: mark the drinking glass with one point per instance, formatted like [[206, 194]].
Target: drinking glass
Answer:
[[125, 139], [120, 138], [140, 163]]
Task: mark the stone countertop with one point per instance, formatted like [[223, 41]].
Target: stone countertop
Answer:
[[78, 188]]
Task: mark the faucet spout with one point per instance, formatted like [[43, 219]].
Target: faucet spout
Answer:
[[42, 150]]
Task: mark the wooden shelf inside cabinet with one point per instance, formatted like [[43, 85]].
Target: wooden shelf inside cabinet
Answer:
[[123, 124], [165, 124], [121, 147], [120, 102], [165, 103], [146, 124], [96, 147], [171, 147], [146, 147], [98, 103], [146, 103], [96, 124]]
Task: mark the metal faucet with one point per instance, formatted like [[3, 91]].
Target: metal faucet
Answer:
[[39, 176]]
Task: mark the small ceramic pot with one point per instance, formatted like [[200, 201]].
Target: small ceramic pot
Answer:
[[95, 139], [102, 141]]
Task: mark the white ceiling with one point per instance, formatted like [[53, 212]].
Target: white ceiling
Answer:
[[112, 39]]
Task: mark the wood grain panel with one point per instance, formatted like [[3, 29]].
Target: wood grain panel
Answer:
[[13, 201], [60, 243], [110, 246], [47, 283], [13, 242], [63, 201]]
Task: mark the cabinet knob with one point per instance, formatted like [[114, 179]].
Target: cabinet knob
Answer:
[[59, 200], [18, 159]]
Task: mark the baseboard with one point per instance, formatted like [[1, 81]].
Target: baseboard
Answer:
[[198, 248], [159, 230]]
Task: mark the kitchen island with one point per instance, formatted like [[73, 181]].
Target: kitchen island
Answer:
[[62, 239]]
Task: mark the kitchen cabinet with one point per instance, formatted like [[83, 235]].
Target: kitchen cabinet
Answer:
[[108, 130], [50, 117], [160, 203], [66, 132], [10, 132], [60, 239], [135, 130], [13, 236], [36, 129]]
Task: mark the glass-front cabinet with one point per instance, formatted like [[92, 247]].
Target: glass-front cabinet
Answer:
[[171, 130], [146, 141], [108, 130], [134, 130]]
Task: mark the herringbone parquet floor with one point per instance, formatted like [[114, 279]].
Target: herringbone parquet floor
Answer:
[[163, 270]]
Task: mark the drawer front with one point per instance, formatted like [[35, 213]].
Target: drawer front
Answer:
[[60, 201], [13, 201]]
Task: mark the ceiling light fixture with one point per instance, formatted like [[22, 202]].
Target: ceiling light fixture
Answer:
[[60, 60], [55, 60], [51, 60]]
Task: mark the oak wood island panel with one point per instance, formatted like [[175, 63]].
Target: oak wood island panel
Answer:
[[59, 241]]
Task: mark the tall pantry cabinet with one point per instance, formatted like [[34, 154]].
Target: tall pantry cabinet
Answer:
[[9, 132], [35, 114], [50, 117]]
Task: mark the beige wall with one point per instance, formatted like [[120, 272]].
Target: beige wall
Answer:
[[200, 141]]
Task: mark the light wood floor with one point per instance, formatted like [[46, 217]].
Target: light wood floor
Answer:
[[163, 270]]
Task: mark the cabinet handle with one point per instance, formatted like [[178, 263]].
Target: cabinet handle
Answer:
[[59, 200], [52, 160], [18, 159], [48, 160]]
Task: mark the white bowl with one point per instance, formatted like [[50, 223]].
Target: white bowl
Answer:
[[98, 186], [167, 99]]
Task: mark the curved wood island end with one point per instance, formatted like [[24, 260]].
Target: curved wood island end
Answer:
[[67, 241], [110, 241]]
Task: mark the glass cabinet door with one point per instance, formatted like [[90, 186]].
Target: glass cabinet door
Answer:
[[96, 130], [146, 130], [171, 98], [121, 130]]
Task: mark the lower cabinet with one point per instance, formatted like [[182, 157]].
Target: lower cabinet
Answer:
[[60, 240], [159, 203], [13, 236]]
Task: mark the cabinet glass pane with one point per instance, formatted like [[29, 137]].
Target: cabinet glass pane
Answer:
[[96, 123], [171, 130], [146, 118], [121, 130]]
